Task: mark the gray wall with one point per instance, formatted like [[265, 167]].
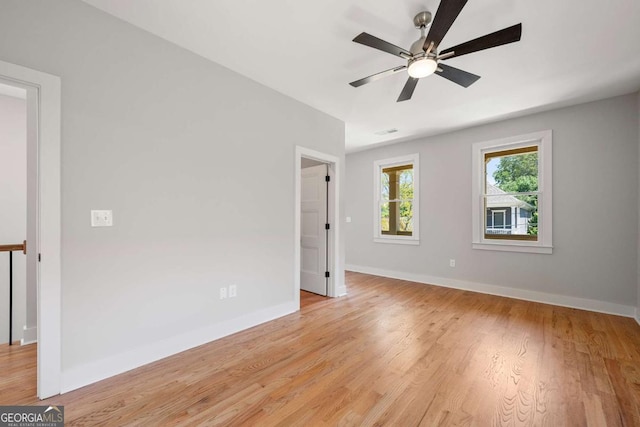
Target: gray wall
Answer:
[[595, 210], [196, 162], [13, 211]]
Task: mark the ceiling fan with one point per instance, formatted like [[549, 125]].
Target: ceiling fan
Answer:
[[424, 59]]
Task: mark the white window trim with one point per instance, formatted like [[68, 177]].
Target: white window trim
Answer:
[[544, 244], [378, 165]]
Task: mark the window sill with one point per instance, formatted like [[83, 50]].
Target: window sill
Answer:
[[396, 241], [514, 247]]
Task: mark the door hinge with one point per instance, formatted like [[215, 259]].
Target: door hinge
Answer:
[[327, 178], [326, 274], [39, 257], [327, 227]]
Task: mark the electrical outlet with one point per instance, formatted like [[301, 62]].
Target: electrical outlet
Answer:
[[223, 293], [452, 263], [233, 291]]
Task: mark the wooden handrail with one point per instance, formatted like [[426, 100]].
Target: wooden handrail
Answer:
[[16, 247]]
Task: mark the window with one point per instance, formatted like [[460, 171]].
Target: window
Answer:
[[396, 200], [512, 194]]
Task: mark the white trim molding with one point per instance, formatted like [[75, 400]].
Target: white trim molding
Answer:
[[544, 245], [503, 291], [99, 370], [49, 279]]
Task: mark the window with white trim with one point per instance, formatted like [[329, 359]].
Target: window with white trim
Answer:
[[511, 193], [396, 207]]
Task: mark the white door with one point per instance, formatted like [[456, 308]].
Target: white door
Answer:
[[313, 236]]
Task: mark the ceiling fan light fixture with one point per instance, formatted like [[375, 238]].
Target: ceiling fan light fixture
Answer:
[[422, 67]]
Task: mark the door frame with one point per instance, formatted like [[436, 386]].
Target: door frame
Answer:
[[335, 280], [48, 223]]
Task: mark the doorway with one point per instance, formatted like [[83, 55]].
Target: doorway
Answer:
[[18, 300], [43, 216], [13, 218], [329, 241]]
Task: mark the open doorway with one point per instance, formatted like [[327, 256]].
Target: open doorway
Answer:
[[42, 220], [18, 301], [317, 228]]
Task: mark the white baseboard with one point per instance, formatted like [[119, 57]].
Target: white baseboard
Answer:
[[638, 315], [522, 294], [81, 376], [29, 335]]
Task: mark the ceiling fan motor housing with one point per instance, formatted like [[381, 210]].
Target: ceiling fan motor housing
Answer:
[[422, 19], [417, 48]]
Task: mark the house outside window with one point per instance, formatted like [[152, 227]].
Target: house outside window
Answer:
[[507, 215], [512, 194], [396, 207]]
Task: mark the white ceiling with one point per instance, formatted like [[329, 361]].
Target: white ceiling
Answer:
[[571, 51]]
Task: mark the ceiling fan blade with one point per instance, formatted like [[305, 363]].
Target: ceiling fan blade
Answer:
[[377, 76], [376, 43], [407, 91], [446, 14], [456, 75], [499, 38]]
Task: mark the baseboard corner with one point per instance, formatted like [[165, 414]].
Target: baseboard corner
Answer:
[[29, 335]]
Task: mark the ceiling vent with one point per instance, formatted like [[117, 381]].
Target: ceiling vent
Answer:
[[387, 131]]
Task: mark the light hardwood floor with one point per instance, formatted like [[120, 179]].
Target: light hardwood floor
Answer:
[[391, 353]]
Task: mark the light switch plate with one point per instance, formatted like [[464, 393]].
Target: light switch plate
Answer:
[[101, 218]]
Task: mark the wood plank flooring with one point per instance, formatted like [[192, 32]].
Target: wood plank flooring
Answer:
[[390, 353]]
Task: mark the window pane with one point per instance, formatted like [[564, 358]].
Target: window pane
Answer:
[[406, 184], [396, 218], [511, 216], [511, 173], [405, 219], [397, 183], [384, 186], [384, 217]]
